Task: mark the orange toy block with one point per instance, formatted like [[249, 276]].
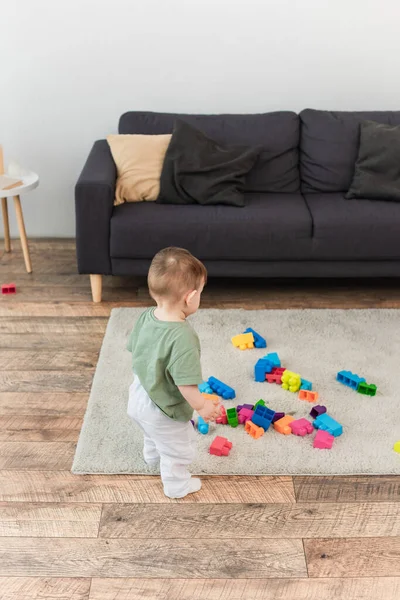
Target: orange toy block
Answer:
[[213, 397], [308, 396], [253, 430], [243, 341], [282, 425]]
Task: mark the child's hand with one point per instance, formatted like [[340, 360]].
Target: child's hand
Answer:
[[210, 411]]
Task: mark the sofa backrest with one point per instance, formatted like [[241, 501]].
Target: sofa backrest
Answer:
[[329, 147], [277, 134]]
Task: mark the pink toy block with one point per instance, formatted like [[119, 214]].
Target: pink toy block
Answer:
[[9, 288], [222, 419], [245, 415], [220, 446], [301, 427], [308, 396], [323, 440]]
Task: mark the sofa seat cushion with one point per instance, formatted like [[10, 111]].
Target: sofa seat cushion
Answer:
[[270, 226], [354, 229]]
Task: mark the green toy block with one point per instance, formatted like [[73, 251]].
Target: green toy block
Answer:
[[231, 415], [259, 403], [366, 389]]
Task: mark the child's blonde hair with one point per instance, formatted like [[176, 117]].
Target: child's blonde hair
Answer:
[[173, 272]]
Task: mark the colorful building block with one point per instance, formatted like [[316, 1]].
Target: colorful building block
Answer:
[[323, 440], [306, 385], [220, 388], [274, 358], [261, 368], [291, 381], [249, 406], [308, 396], [243, 341], [212, 397], [220, 446], [276, 375], [259, 403], [263, 417], [326, 423], [202, 426], [366, 389], [231, 415], [277, 416], [396, 447], [253, 430], [301, 427], [192, 422], [222, 419], [259, 341], [317, 410], [9, 288], [204, 388], [350, 379], [245, 415], [283, 425]]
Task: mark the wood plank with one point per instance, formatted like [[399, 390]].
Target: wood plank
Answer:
[[61, 557], [44, 486], [367, 588], [39, 429], [66, 293], [43, 404], [39, 588], [36, 455], [54, 341], [66, 309], [359, 557], [45, 325], [364, 488], [49, 520], [47, 360], [250, 521], [46, 381]]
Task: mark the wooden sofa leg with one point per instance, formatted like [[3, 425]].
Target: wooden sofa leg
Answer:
[[96, 281]]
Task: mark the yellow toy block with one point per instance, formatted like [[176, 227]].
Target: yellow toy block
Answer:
[[291, 381], [243, 341]]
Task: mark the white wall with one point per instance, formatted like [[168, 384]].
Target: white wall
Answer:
[[70, 68]]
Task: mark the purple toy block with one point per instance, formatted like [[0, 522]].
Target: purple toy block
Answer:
[[301, 427], [245, 415], [239, 408], [277, 416], [317, 410], [249, 406]]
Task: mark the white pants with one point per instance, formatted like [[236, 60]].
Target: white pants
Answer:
[[171, 442]]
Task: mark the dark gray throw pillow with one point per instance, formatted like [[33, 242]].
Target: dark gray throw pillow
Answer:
[[377, 170], [198, 170]]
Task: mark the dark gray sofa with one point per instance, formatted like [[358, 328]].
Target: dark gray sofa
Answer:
[[296, 222]]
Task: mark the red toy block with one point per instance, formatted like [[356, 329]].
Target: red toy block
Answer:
[[301, 427], [323, 440], [222, 419], [220, 446], [244, 415], [308, 396], [9, 288]]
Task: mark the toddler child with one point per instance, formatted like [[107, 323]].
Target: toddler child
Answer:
[[166, 365]]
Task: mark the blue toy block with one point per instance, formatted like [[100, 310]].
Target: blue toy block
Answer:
[[350, 379], [263, 416], [221, 389], [261, 368], [306, 385], [204, 388], [259, 341], [326, 423], [274, 358], [202, 426]]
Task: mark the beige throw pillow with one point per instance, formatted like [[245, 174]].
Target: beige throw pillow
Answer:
[[139, 160]]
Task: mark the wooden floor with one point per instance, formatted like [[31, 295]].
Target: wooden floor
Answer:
[[117, 537]]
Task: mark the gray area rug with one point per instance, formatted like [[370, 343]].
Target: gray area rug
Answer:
[[315, 343]]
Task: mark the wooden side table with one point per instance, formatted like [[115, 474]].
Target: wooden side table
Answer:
[[30, 181]]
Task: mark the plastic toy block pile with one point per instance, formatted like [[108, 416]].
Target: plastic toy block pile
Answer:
[[258, 418]]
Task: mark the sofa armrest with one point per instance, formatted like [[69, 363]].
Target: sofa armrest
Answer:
[[94, 200]]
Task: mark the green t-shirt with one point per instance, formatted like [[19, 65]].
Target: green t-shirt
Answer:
[[164, 355]]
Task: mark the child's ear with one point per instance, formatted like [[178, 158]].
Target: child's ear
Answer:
[[190, 296]]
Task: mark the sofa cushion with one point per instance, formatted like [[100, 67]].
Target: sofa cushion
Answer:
[[329, 144], [354, 230], [276, 133], [270, 226]]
